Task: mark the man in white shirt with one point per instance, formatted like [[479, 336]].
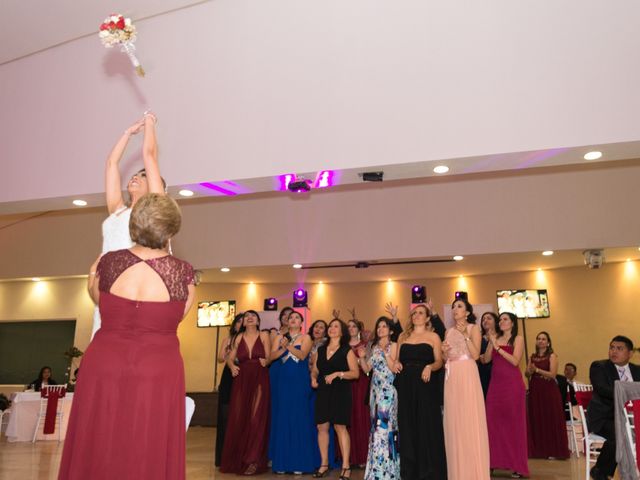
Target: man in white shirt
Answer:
[[603, 374]]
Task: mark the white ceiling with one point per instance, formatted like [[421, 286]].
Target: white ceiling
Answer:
[[33, 26]]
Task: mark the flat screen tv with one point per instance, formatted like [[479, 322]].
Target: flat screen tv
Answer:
[[524, 303], [217, 313]]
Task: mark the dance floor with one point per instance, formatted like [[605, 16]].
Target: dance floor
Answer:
[[39, 461]]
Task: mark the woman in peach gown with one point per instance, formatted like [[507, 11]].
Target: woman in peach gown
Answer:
[[465, 423]]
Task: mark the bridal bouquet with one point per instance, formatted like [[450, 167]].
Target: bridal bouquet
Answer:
[[117, 30]]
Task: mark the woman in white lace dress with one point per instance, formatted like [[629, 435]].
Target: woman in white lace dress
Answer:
[[115, 228]]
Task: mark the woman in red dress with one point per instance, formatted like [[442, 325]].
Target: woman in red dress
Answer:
[[127, 419], [247, 438], [545, 420], [360, 420]]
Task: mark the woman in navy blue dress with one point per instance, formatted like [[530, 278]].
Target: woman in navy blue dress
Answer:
[[292, 446]]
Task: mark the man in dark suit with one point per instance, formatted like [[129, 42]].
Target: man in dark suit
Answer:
[[603, 374], [567, 392]]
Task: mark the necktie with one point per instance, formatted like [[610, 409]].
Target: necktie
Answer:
[[623, 375]]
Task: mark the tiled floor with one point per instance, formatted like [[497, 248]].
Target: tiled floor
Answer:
[[39, 461]]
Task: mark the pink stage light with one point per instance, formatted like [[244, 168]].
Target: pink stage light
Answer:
[[285, 180], [325, 178]]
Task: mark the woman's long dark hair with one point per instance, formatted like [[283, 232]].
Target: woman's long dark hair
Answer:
[[471, 318], [549, 349], [42, 372], [514, 329], [235, 328], [380, 320], [344, 332]]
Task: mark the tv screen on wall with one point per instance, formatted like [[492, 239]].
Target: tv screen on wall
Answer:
[[524, 303], [217, 313]]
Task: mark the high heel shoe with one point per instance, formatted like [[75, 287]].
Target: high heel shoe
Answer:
[[343, 475], [321, 474]]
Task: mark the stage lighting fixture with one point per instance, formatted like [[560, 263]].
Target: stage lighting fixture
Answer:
[[299, 186], [462, 296], [299, 298], [418, 294], [372, 176], [270, 304]]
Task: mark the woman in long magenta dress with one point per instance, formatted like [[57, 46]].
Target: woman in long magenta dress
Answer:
[[247, 438], [506, 399], [360, 419], [127, 419], [545, 419]]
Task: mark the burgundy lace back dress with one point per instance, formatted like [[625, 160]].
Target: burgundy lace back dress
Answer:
[[127, 419]]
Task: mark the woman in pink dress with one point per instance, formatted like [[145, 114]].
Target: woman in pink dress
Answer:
[[545, 419], [465, 424], [506, 399], [360, 420], [128, 414], [247, 438]]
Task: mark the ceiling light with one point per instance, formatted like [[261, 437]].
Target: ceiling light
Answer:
[[296, 265], [225, 269], [186, 193], [80, 203], [595, 155], [547, 253], [35, 279], [628, 259], [441, 169], [320, 282], [539, 269], [457, 258]]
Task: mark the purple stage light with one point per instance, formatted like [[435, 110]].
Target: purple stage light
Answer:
[[284, 181], [325, 178], [300, 298]]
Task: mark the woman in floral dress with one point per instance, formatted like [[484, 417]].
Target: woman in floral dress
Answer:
[[383, 460]]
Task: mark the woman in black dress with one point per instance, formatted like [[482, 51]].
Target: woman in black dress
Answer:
[[421, 434], [489, 328], [224, 388], [335, 366]]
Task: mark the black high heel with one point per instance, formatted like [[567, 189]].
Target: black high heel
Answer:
[[344, 471], [321, 474]]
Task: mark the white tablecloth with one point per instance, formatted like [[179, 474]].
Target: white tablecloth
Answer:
[[24, 415]]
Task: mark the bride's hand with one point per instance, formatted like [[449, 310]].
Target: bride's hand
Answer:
[[135, 128]]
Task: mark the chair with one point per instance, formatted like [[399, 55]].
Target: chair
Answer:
[[45, 394], [4, 418], [630, 428], [189, 408], [592, 443], [571, 429]]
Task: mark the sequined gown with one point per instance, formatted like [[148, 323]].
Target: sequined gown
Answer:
[[128, 414], [383, 459]]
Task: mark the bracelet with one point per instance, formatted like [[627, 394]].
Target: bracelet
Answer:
[[92, 273]]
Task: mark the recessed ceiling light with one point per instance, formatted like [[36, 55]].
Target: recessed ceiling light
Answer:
[[225, 269], [628, 259], [35, 279], [186, 193], [441, 169], [539, 269], [296, 265], [547, 253], [251, 283], [389, 280], [457, 258], [320, 282], [79, 203], [595, 155], [460, 276]]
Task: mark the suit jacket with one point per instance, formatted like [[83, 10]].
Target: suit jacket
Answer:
[[602, 375]]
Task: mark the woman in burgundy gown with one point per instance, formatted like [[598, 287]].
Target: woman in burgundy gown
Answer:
[[506, 399], [127, 419], [247, 438], [545, 419], [360, 417]]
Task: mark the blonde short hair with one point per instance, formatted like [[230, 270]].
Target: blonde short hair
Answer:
[[155, 218]]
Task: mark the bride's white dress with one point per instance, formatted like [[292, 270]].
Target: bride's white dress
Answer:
[[115, 236]]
